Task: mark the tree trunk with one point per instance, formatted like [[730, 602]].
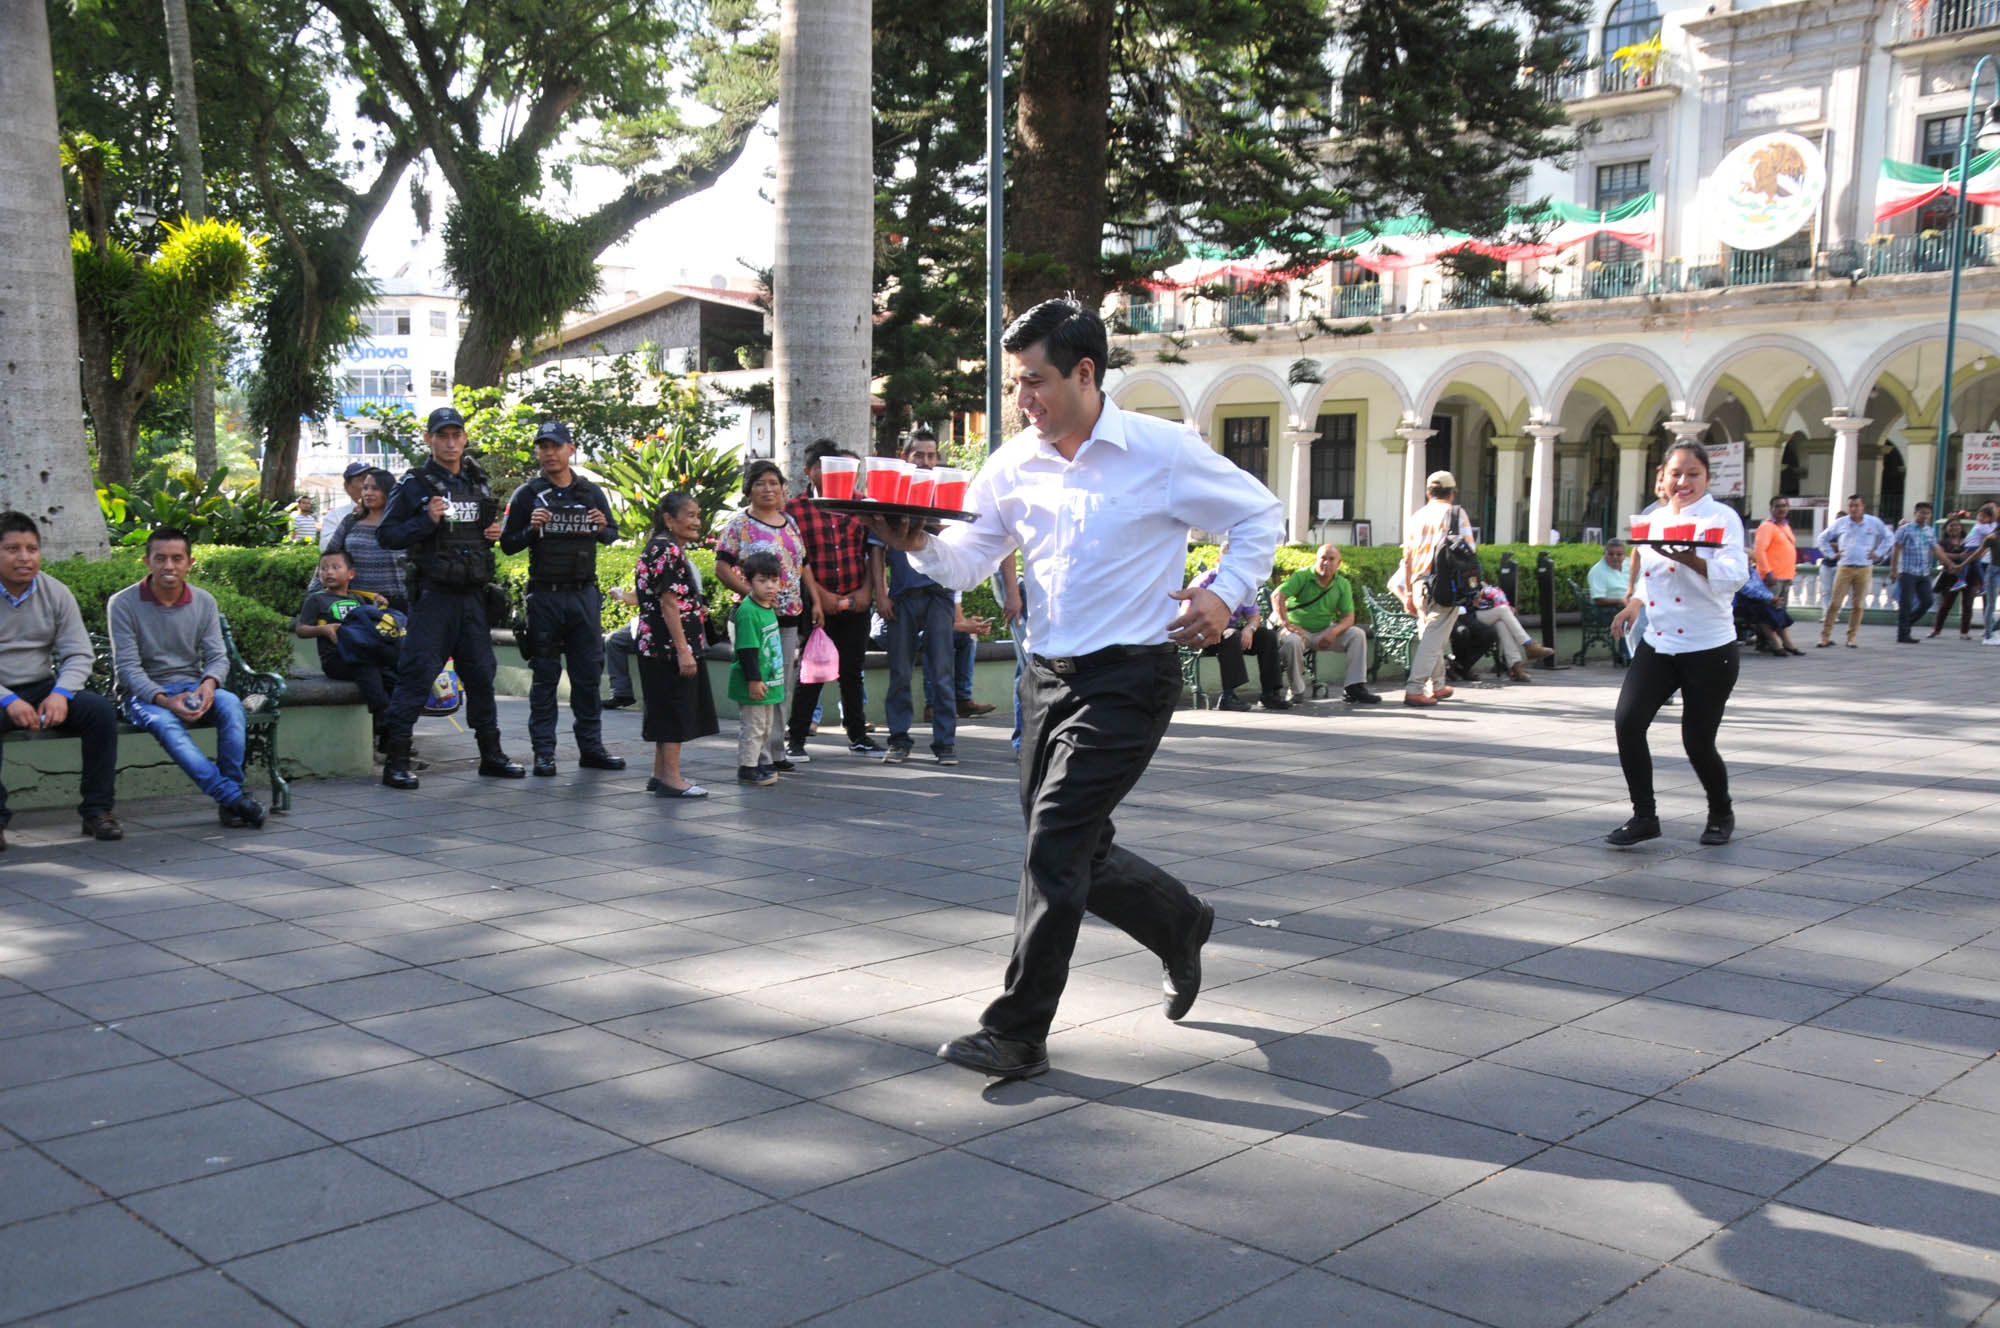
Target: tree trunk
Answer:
[[278, 477], [821, 279], [479, 363], [1058, 194], [44, 466], [194, 201]]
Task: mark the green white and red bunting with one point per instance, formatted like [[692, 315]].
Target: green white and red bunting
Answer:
[[1406, 242], [1904, 185]]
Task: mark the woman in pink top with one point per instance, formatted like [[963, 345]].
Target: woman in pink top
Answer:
[[1688, 591]]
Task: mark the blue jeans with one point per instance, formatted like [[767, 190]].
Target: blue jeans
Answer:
[[964, 654], [222, 778], [924, 612], [1913, 601]]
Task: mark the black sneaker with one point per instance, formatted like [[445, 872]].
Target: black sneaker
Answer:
[[1359, 694], [782, 766], [866, 747], [241, 812], [898, 753], [1635, 831], [1231, 701], [796, 753], [620, 702], [760, 776], [946, 755], [1719, 828], [1274, 701]]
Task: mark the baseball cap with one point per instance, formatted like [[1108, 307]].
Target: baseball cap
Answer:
[[444, 417], [553, 429], [1441, 479], [355, 470]]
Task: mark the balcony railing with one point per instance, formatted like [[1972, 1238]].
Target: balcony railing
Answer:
[[1927, 251], [1143, 317], [1250, 310], [1361, 300], [352, 402], [1943, 18]]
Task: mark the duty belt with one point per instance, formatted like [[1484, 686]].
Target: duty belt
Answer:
[[1066, 664], [534, 585]]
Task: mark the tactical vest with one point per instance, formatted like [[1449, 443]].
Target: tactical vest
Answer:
[[455, 556], [564, 550]]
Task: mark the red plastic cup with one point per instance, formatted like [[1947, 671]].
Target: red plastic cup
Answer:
[[1639, 525], [923, 483], [898, 487], [1713, 535], [950, 495], [836, 477], [1680, 533]]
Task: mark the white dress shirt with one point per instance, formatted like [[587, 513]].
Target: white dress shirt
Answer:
[[1858, 543], [1686, 611], [1103, 538]]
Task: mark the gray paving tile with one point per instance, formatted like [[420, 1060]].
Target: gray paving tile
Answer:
[[204, 1299], [574, 1299], [75, 1255], [1789, 1099], [1234, 1101], [1924, 1025], [1744, 993], [1674, 1296], [1347, 1061], [357, 1276], [1285, 1204], [1945, 1134], [33, 1186], [1489, 1268], [818, 1063], [1313, 1296], [1188, 1272], [201, 1141], [550, 1062], [463, 1025], [107, 1097], [64, 1052], [705, 1028], [201, 1027], [1865, 1272], [403, 989], [274, 1203], [934, 1104], [474, 1152], [1442, 1026], [306, 968], [1722, 1150], [41, 970], [1539, 1106], [1614, 1203], [921, 1205], [941, 1297], [29, 1013], [1605, 1059], [1905, 1194], [613, 1203], [795, 1149], [1413, 1149], [392, 1097], [1877, 1062], [699, 1274], [1980, 1088], [673, 1100], [1103, 1149]]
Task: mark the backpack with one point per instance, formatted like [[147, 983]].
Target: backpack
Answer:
[[1455, 576]]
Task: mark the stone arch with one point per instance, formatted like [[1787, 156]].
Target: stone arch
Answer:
[[1718, 366], [1332, 371], [1571, 376], [1454, 370], [1875, 365], [1212, 394], [1131, 379]]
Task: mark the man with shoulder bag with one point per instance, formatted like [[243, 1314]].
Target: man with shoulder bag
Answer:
[[1441, 573]]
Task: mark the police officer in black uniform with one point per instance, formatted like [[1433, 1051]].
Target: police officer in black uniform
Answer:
[[560, 518], [443, 516]]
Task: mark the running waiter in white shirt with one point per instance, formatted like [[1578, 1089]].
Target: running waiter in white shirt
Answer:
[[1099, 502]]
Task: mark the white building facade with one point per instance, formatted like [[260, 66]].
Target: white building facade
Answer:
[[405, 355], [1819, 358]]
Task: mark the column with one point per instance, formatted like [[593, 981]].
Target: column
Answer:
[[1635, 483], [1506, 490], [1844, 476], [1764, 456], [1414, 473], [1542, 482], [1920, 456], [1298, 489], [1389, 526]]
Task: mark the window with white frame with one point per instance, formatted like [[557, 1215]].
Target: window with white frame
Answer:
[[385, 322]]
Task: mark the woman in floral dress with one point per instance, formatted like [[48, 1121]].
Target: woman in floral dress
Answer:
[[670, 635]]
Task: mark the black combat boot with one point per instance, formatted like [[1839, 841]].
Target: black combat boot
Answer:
[[396, 764], [493, 762]]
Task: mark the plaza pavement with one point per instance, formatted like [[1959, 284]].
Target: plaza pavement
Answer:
[[555, 1052]]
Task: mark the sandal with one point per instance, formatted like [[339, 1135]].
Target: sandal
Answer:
[[660, 790]]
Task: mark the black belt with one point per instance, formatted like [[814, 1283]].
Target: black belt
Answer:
[[534, 585], [1099, 658]]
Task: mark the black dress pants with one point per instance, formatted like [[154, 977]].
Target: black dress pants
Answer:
[[849, 632], [444, 625], [1086, 738], [1704, 679], [94, 722], [1229, 663]]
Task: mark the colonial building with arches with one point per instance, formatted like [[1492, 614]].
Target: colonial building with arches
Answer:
[[1822, 354]]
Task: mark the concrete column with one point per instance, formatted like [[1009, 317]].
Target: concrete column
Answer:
[[1845, 472], [1765, 454], [1921, 458], [1635, 484], [1506, 490], [1390, 531], [1413, 467], [1298, 491], [1542, 482]]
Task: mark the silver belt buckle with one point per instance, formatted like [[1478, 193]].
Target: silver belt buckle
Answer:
[[1067, 664]]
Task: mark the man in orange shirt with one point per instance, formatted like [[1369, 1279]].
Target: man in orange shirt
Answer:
[[1775, 553]]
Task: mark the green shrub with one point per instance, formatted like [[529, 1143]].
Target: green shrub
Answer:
[[1373, 566], [263, 633]]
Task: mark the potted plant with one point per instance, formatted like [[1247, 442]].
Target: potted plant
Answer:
[[1641, 60]]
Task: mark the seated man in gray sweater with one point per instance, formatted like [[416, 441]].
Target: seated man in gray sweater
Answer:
[[45, 658], [166, 648]]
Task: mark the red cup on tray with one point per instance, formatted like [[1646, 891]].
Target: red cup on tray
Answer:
[[1712, 535], [836, 477], [923, 483], [1681, 534], [951, 483]]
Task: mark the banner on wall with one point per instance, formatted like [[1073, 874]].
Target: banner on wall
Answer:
[[1765, 191], [1725, 470], [1979, 464]]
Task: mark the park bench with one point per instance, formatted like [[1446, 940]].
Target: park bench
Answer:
[[1204, 699], [262, 694], [1596, 621], [1392, 632]]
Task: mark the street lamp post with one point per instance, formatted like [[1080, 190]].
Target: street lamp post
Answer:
[[1989, 136]]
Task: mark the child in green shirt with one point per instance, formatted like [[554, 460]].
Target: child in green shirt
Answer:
[[757, 678]]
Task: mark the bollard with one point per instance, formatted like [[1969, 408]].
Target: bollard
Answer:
[[1545, 583]]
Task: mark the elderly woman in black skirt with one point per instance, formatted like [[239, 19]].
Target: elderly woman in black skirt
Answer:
[[670, 635], [1687, 591]]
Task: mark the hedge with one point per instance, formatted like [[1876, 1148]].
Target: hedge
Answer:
[[243, 581], [1372, 567]]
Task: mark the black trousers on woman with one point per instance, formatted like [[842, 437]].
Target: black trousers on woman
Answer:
[[1089, 726], [1704, 679]]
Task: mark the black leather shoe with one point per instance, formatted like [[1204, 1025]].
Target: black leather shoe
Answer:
[[544, 766], [620, 702], [1231, 701], [1635, 831], [103, 826], [1001, 1057], [1183, 971], [600, 760], [241, 812], [1719, 829]]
